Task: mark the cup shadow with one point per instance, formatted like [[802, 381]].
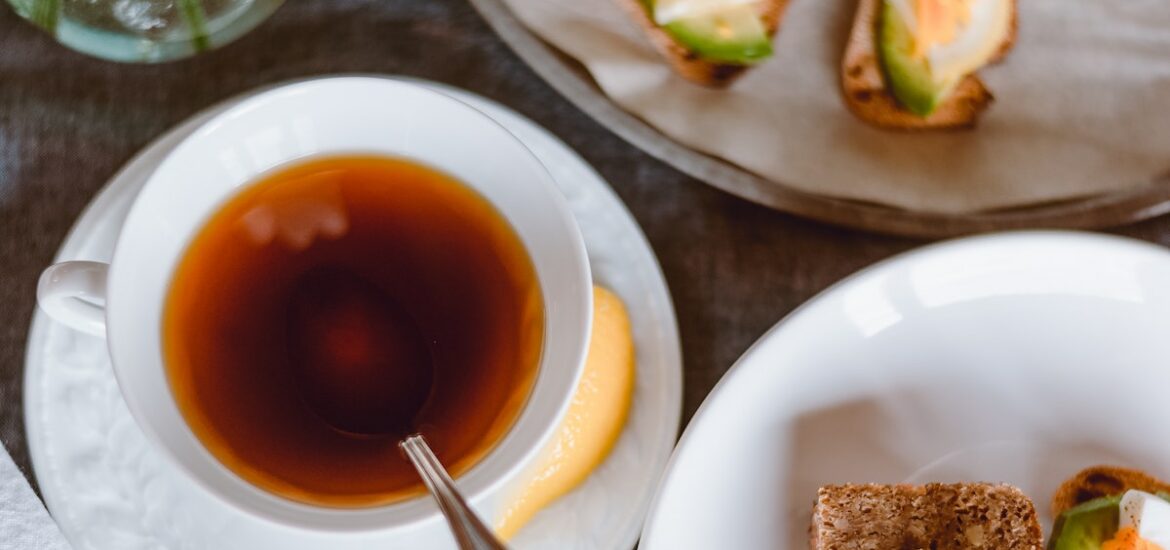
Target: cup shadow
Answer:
[[845, 443]]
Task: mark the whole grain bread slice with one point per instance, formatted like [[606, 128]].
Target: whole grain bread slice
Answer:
[[867, 96], [1103, 481], [959, 516], [688, 63]]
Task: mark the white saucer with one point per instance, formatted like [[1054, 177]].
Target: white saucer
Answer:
[[108, 489], [1019, 358]]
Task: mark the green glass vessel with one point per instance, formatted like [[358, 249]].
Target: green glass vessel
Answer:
[[145, 31]]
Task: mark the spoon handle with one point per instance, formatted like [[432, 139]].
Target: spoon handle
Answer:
[[470, 532]]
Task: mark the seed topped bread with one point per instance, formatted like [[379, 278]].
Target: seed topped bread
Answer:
[[1103, 481], [936, 516]]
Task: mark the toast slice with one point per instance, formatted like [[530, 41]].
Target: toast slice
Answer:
[[938, 516], [1103, 481], [687, 63], [866, 94]]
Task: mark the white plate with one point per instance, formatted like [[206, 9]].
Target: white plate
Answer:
[[1016, 358], [108, 489]]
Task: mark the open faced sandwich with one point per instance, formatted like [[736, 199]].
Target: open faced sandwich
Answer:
[[710, 42], [1110, 508], [911, 64]]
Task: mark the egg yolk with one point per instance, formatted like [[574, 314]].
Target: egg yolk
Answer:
[[1127, 539], [939, 22]]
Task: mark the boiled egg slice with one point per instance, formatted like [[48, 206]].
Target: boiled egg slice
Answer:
[[667, 11], [956, 37], [1144, 523]]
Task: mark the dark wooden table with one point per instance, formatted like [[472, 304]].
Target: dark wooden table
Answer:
[[67, 122]]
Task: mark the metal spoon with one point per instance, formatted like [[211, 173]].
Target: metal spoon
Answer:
[[470, 532], [369, 372]]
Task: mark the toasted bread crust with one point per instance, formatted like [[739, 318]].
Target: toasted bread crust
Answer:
[[955, 516], [686, 62], [867, 96], [1103, 481]]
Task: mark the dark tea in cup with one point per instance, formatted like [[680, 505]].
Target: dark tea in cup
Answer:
[[334, 306]]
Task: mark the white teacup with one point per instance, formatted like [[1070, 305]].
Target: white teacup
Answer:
[[124, 300]]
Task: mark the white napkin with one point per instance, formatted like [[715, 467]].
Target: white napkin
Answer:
[[1083, 106], [24, 523]]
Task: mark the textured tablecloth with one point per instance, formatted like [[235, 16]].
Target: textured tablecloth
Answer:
[[67, 122]]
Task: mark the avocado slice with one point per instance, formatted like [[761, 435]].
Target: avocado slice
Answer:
[[733, 35], [908, 79], [1086, 526]]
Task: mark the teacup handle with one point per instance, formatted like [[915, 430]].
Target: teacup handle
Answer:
[[74, 293]]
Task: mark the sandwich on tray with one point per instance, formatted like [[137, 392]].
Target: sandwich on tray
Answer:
[[711, 42], [911, 64]]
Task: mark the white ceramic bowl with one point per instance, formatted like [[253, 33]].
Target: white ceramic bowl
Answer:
[[302, 120], [1018, 358]]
